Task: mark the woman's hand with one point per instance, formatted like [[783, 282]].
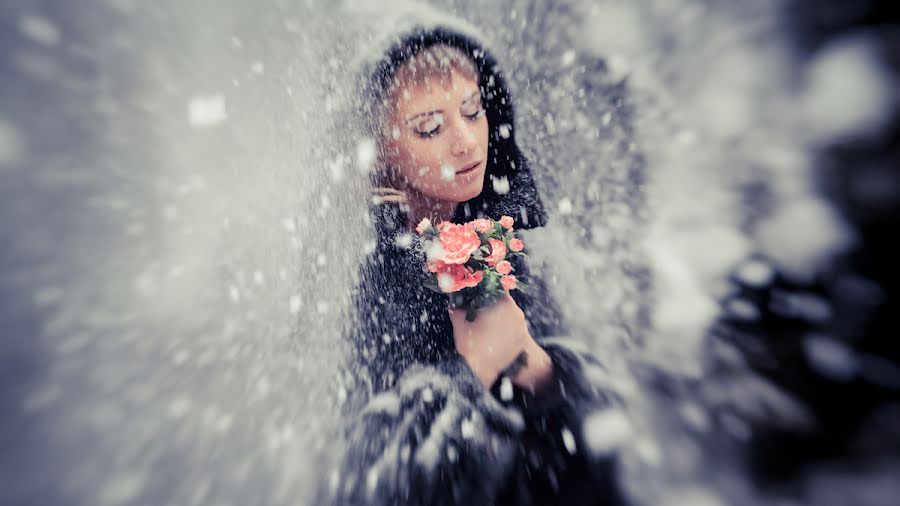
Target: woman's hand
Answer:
[[494, 340]]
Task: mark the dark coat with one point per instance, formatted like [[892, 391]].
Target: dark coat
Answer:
[[420, 427]]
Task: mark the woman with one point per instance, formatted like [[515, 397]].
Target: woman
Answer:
[[439, 410]]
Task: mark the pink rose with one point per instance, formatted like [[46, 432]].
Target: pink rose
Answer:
[[482, 224], [458, 243], [444, 225], [455, 277], [423, 225], [516, 245], [504, 267], [506, 221], [498, 252], [508, 282]]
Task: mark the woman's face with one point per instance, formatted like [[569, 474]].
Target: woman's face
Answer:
[[437, 138]]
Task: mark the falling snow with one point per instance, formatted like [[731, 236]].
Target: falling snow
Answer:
[[365, 155], [40, 30], [569, 440], [11, 145], [448, 172], [181, 266], [605, 431], [506, 389], [207, 110]]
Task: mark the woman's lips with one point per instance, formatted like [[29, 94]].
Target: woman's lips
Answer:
[[469, 169]]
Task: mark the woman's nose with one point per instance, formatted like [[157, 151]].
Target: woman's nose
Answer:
[[463, 141]]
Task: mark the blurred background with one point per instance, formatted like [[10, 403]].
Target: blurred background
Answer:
[[722, 176]]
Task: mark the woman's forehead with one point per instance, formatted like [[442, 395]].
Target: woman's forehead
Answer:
[[432, 92]]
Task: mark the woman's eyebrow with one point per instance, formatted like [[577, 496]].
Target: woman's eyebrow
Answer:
[[472, 95], [468, 98], [429, 113]]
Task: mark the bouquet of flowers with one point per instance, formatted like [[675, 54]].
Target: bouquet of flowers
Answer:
[[471, 261]]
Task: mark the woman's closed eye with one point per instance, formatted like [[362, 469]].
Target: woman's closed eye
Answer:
[[429, 126], [477, 114], [432, 126], [473, 109]]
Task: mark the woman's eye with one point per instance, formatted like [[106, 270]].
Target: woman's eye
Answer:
[[477, 114], [432, 127], [428, 130], [429, 127]]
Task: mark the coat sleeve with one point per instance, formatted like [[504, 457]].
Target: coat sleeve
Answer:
[[577, 385], [436, 437], [557, 418]]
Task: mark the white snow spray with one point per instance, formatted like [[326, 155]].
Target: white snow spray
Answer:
[[174, 279]]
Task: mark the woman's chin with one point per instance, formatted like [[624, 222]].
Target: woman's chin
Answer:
[[456, 191], [455, 195], [463, 196], [468, 191]]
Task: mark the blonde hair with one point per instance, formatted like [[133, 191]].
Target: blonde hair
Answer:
[[435, 61]]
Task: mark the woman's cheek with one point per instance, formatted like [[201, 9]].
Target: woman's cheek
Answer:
[[420, 174]]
